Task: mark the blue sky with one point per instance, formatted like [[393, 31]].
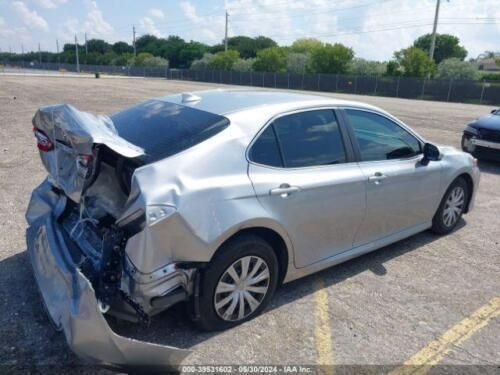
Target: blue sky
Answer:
[[373, 28]]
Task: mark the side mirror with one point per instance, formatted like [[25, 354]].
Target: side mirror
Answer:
[[494, 111], [431, 153]]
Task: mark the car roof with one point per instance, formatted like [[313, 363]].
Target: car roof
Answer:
[[226, 101]]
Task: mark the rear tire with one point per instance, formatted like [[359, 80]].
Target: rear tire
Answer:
[[451, 208], [244, 272]]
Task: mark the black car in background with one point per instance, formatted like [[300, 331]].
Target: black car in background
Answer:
[[481, 137]]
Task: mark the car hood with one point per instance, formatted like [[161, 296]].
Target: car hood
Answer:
[[491, 122]]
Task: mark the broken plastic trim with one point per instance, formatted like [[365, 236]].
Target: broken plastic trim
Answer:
[[71, 301]]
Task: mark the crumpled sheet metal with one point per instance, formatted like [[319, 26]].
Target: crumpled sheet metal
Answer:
[[76, 132], [71, 303]]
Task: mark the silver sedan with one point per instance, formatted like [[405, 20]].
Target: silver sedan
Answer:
[[215, 198]]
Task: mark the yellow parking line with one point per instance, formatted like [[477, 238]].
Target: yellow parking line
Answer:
[[322, 330], [433, 353]]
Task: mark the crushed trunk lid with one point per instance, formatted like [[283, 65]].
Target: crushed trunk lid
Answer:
[[68, 140]]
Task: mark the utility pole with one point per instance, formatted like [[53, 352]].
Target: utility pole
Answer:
[[433, 41], [86, 49], [77, 60], [39, 53], [133, 39], [22, 51], [58, 56], [225, 33]]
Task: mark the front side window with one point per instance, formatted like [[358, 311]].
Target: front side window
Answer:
[[380, 138]]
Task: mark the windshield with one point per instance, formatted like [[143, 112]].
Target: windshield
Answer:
[[163, 129]]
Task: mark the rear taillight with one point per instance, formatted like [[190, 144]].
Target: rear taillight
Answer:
[[43, 142], [84, 160]]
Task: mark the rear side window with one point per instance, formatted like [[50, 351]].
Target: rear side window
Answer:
[[303, 139], [163, 129], [265, 150], [380, 138]]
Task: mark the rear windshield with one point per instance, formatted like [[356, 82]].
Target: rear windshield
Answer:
[[163, 129]]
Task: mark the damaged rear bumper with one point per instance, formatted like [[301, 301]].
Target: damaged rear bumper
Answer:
[[72, 305]]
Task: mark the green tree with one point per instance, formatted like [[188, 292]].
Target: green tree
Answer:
[[456, 69], [306, 45], [122, 47], [190, 52], [170, 49], [330, 58], [98, 46], [298, 62], [155, 61], [122, 59], [203, 63], [263, 42], [224, 60], [146, 43], [415, 62], [271, 60], [141, 58], [243, 65], [366, 67], [247, 46], [447, 46], [393, 69]]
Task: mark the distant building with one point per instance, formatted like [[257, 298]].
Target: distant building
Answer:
[[489, 65]]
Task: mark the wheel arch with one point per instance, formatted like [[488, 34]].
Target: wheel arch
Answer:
[[278, 241], [470, 186]]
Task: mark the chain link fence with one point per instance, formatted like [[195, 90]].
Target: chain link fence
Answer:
[[461, 91]]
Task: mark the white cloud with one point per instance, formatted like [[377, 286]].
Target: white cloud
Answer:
[[358, 26], [30, 17], [5, 31], [156, 13], [190, 12], [148, 25], [95, 24], [209, 29], [50, 4]]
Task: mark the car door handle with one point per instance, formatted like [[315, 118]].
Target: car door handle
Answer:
[[284, 190], [377, 177]]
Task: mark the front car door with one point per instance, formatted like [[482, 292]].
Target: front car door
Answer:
[[401, 192], [303, 172]]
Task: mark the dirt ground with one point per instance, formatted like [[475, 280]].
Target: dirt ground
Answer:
[[379, 309]]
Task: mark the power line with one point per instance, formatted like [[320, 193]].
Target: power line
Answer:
[[317, 10], [400, 27], [310, 10]]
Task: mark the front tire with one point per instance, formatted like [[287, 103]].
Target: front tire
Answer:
[[451, 208], [238, 283]]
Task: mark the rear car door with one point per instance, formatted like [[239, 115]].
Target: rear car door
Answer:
[[401, 192], [303, 172]]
